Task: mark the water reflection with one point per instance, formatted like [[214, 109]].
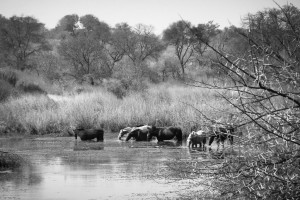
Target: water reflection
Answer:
[[88, 145], [63, 168]]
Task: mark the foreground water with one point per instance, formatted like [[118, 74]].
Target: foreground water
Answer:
[[62, 168]]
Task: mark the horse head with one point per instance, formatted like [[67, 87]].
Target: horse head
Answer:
[[124, 131], [76, 131]]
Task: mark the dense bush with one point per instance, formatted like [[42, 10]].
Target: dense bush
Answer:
[[116, 87], [14, 82], [6, 90], [9, 75], [124, 87], [30, 88]]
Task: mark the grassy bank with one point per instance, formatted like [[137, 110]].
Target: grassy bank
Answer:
[[167, 104]]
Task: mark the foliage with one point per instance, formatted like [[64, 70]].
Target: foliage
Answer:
[[182, 36], [278, 29], [21, 38], [15, 83], [69, 23], [9, 75], [83, 53], [138, 44], [50, 66], [99, 30], [206, 32], [116, 87], [232, 41], [168, 65], [179, 35], [6, 90]]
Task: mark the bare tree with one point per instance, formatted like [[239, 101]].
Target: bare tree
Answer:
[[179, 36], [263, 87], [139, 44]]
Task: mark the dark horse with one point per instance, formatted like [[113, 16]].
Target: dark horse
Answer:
[[221, 133], [139, 133], [165, 133], [89, 134]]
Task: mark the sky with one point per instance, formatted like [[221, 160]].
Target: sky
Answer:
[[157, 13]]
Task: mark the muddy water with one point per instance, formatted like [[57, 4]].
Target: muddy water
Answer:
[[62, 168]]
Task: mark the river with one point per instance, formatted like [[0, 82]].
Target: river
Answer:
[[62, 168]]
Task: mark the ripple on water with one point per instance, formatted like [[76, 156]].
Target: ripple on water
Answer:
[[63, 168]]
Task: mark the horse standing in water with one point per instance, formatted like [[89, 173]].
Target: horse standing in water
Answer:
[[165, 133], [89, 134], [127, 130], [221, 133], [196, 138]]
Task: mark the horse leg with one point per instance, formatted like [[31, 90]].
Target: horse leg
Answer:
[[194, 145], [211, 139], [231, 139], [219, 139]]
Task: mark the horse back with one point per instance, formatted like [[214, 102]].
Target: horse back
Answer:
[[199, 139], [171, 132], [89, 134]]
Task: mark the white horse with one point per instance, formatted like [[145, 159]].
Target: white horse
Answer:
[[130, 129]]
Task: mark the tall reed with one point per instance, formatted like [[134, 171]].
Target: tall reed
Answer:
[[162, 105]]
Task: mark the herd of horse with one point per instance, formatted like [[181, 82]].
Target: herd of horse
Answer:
[[218, 133]]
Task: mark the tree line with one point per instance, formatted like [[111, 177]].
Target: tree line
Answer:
[[87, 49]]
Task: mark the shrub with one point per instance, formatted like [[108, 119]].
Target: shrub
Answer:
[[9, 75], [31, 88], [5, 90], [116, 87], [26, 82]]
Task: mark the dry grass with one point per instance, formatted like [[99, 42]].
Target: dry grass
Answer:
[[163, 104]]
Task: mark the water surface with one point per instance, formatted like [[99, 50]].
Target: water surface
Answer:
[[63, 168]]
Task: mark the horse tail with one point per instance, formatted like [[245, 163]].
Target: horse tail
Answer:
[[188, 138]]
